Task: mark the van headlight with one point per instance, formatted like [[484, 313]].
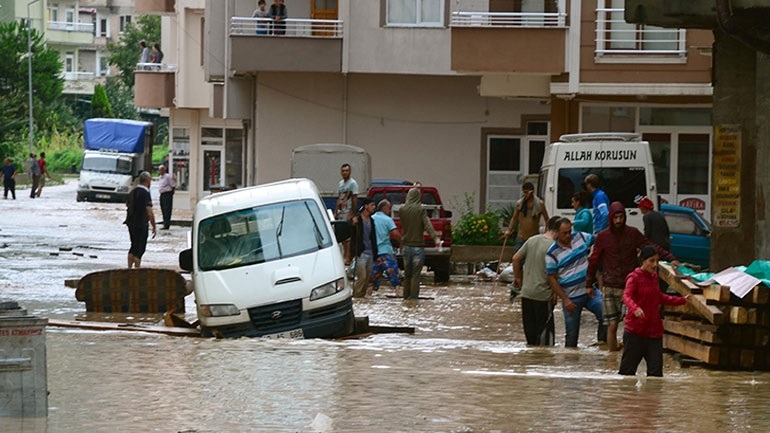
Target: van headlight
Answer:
[[327, 289], [122, 189], [83, 186], [217, 310]]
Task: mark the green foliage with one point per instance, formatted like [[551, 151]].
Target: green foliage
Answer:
[[121, 99], [158, 153], [126, 52], [61, 161], [100, 104], [476, 229], [47, 85], [506, 213]]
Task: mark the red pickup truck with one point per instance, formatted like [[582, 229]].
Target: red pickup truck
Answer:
[[437, 259]]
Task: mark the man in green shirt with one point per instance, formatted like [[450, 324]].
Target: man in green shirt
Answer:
[[536, 294]]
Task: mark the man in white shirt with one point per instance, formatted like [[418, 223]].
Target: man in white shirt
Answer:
[[347, 202], [166, 187]]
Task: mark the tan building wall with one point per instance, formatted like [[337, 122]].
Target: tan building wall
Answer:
[[414, 127]]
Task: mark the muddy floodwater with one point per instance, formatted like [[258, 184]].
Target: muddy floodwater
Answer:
[[466, 368]]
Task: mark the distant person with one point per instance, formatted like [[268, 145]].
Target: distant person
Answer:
[[41, 162], [366, 247], [528, 212], [536, 294], [157, 54], [414, 223], [615, 253], [278, 14], [145, 54], [643, 332], [600, 203], [138, 215], [386, 264], [655, 225], [347, 202], [34, 174], [261, 12], [583, 221], [565, 264], [9, 178], [166, 187]]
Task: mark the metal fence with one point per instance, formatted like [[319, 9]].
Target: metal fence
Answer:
[[615, 36], [508, 19]]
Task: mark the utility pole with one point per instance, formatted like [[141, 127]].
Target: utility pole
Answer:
[[29, 76]]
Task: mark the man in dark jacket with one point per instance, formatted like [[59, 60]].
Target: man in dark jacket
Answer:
[[615, 252], [655, 225], [366, 247]]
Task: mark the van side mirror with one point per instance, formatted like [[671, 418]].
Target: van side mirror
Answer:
[[186, 260], [342, 230]]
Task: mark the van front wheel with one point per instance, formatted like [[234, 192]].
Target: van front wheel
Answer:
[[206, 332]]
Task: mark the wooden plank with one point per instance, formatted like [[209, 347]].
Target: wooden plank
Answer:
[[708, 354], [709, 312], [683, 329], [758, 295], [693, 323], [738, 315], [107, 326], [717, 293]]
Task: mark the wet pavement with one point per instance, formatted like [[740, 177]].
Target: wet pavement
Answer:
[[466, 368]]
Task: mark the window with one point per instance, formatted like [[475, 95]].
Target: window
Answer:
[[262, 234], [125, 20], [69, 15], [660, 147], [53, 13], [622, 184], [693, 164], [677, 116], [102, 27], [682, 224], [180, 157], [234, 157], [616, 36], [608, 119], [69, 62], [417, 13]]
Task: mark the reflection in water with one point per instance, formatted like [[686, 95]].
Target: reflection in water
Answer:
[[466, 369]]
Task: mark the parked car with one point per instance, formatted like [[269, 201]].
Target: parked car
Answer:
[[690, 234], [436, 259]]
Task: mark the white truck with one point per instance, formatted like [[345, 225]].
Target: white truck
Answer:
[[116, 152], [322, 162]]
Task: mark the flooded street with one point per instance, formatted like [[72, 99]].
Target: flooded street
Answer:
[[466, 368]]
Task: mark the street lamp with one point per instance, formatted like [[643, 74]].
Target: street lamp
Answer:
[[29, 75]]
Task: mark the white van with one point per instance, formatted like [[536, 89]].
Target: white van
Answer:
[[265, 262], [622, 161]]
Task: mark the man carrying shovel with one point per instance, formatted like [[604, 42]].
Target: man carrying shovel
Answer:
[[529, 209]]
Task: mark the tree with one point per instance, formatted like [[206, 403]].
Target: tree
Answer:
[[47, 83], [100, 104], [125, 53], [121, 99]]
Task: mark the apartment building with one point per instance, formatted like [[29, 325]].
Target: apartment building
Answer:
[[463, 95], [79, 30]]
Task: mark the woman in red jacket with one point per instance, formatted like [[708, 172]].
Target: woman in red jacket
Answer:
[[643, 334]]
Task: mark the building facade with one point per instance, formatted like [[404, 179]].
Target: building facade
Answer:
[[462, 95]]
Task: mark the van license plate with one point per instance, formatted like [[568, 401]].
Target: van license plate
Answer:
[[294, 333], [103, 196]]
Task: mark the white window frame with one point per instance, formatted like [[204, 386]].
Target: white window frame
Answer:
[[102, 26], [418, 23], [69, 62], [53, 13], [124, 21]]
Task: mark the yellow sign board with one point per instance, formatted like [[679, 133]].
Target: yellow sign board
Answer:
[[727, 177]]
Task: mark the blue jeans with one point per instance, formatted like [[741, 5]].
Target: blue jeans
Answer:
[[572, 320], [414, 259]]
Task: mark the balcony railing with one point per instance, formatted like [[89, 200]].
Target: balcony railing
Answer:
[[615, 36], [155, 67], [71, 26], [77, 76], [303, 28], [508, 19]]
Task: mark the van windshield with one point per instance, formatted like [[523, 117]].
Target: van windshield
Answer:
[[107, 164], [261, 234], [621, 184]]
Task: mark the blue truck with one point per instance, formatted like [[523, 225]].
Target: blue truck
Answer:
[[116, 152]]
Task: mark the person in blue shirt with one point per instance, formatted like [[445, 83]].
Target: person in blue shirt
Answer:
[[583, 221], [387, 233], [9, 178], [601, 203]]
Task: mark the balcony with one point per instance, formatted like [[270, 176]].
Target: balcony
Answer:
[[155, 7], [154, 85], [617, 39], [78, 83], [509, 42], [308, 45], [70, 32]]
